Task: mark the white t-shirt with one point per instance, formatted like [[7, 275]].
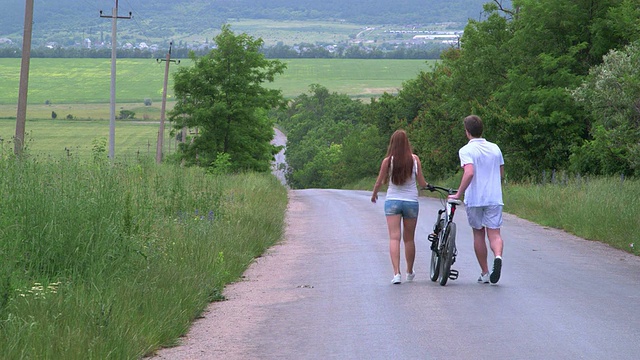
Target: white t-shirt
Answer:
[[485, 188], [407, 191]]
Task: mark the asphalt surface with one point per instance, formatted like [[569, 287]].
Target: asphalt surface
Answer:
[[325, 293]]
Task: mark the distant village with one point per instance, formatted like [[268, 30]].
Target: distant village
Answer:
[[368, 41]]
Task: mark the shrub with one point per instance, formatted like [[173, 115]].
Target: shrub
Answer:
[[127, 114]]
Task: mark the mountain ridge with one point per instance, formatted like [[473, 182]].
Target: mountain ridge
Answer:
[[165, 19]]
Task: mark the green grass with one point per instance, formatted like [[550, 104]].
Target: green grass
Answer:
[[354, 77], [83, 81], [601, 209], [111, 262], [62, 138], [81, 87]]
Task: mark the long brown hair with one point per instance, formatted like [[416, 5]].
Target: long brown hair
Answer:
[[402, 163]]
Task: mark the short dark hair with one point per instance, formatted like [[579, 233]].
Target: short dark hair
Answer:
[[473, 124]]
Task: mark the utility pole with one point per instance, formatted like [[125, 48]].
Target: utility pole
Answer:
[[168, 60], [21, 116], [112, 121]]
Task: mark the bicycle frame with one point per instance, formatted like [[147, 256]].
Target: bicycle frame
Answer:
[[443, 238]]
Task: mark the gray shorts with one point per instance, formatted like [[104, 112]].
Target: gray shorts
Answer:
[[485, 216], [406, 209]]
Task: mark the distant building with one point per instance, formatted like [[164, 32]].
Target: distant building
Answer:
[[86, 43]]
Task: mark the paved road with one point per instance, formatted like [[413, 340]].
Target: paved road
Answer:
[[279, 165], [325, 293]]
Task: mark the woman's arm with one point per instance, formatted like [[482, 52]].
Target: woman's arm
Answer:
[[382, 175], [419, 175]]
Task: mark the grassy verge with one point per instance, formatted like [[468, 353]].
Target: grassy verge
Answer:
[[600, 209], [110, 262]]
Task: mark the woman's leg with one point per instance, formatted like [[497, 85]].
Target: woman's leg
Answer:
[[393, 223], [408, 235]]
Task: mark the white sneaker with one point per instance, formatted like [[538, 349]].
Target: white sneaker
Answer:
[[397, 279], [484, 278], [411, 276]]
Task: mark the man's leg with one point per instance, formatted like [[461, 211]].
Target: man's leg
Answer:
[[480, 247], [495, 241]]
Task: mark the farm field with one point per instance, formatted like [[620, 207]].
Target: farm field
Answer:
[[62, 138], [290, 32], [80, 87]]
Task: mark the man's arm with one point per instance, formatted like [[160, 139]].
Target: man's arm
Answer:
[[467, 176]]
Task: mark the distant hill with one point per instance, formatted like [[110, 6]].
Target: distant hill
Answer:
[[56, 19]]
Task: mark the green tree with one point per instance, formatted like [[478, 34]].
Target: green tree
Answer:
[[317, 125], [514, 69], [610, 93], [222, 95], [362, 151]]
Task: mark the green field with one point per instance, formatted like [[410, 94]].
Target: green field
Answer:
[[293, 31], [61, 138], [81, 87]]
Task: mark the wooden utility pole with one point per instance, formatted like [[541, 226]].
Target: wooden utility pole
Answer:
[[160, 144], [112, 121], [21, 116]]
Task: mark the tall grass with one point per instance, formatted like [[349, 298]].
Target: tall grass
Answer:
[[102, 261], [602, 209]]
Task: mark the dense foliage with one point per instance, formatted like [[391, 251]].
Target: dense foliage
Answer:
[[535, 74], [328, 144], [222, 97]]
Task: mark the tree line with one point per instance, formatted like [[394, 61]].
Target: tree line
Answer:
[[556, 82]]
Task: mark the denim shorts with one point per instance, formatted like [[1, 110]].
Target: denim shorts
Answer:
[[407, 209], [485, 216]]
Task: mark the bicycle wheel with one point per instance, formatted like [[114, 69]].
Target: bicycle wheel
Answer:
[[434, 268], [448, 253]]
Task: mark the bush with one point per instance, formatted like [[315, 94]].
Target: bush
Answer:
[[147, 102], [127, 114]]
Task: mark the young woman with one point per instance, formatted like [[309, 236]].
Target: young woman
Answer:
[[401, 169]]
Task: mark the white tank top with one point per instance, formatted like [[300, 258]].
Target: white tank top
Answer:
[[407, 191]]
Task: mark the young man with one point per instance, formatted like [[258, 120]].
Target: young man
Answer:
[[481, 185]]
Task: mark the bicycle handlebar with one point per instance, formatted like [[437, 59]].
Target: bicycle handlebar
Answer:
[[433, 188]]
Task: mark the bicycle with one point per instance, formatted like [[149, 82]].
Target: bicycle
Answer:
[[443, 238]]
